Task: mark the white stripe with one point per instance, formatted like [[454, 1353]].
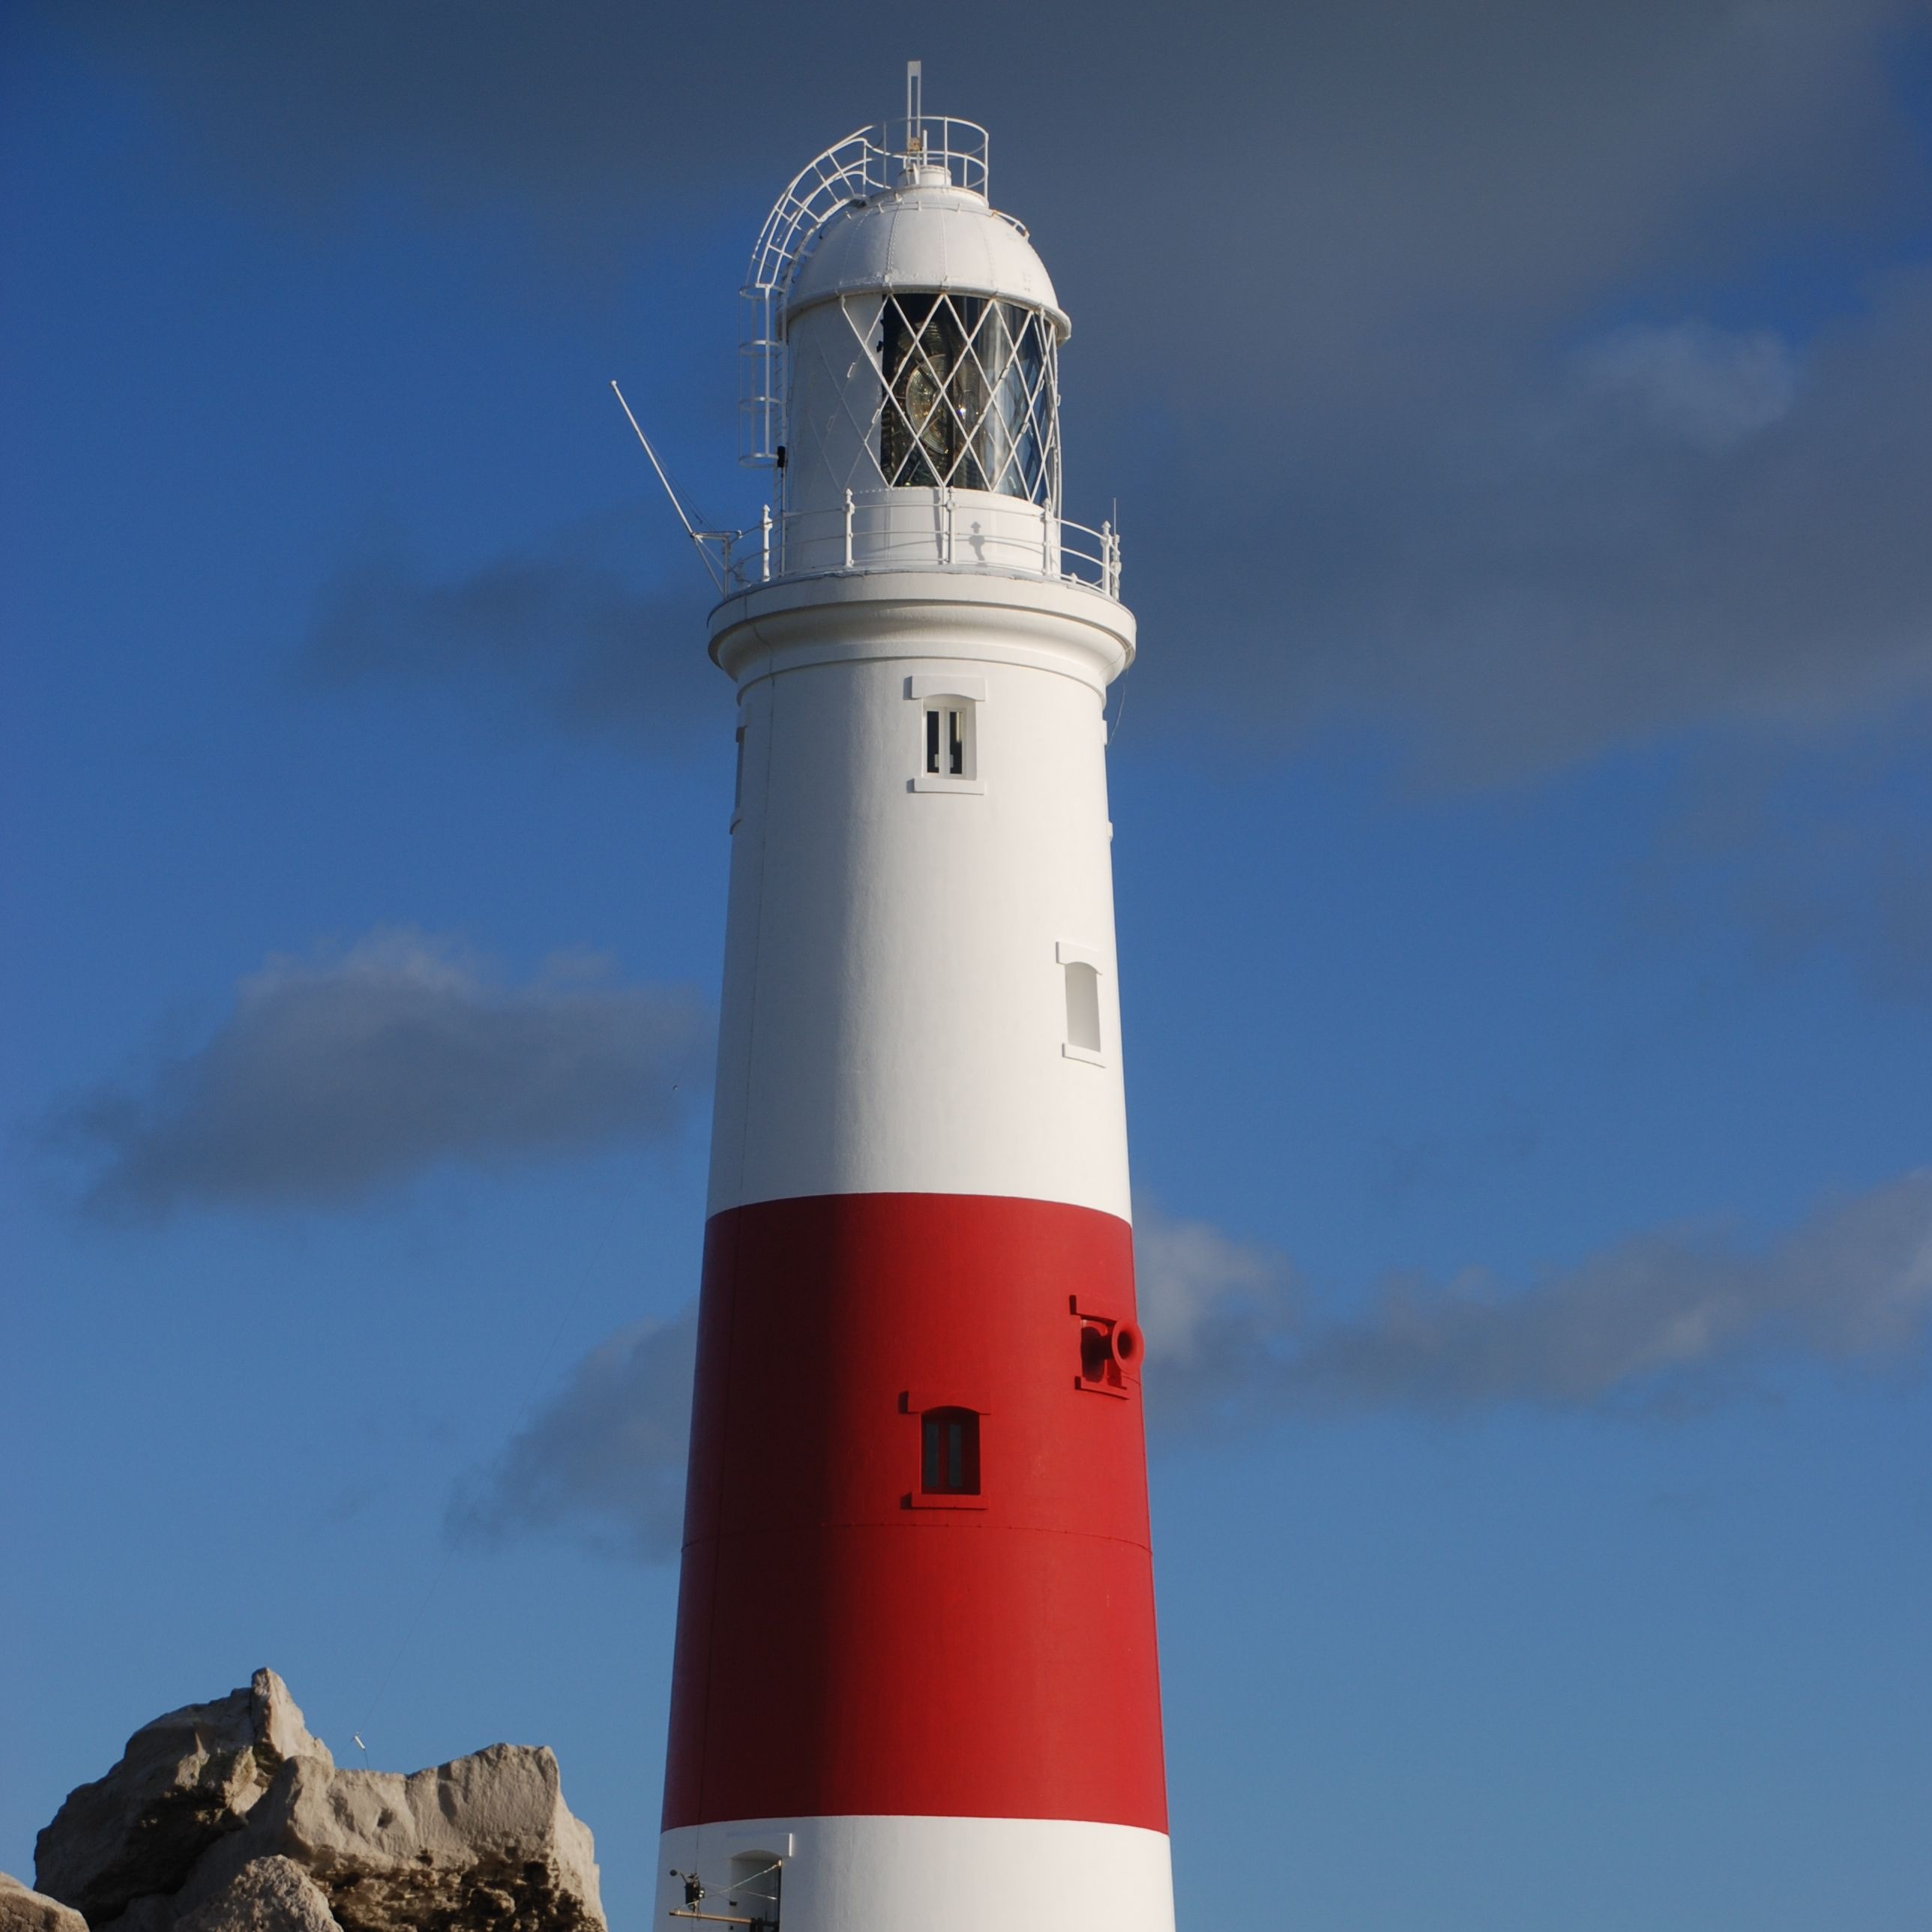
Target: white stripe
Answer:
[[892, 1874], [895, 1010]]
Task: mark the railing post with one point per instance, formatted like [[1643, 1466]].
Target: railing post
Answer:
[[848, 529], [1046, 543], [1107, 558], [765, 539], [724, 551], [948, 557]]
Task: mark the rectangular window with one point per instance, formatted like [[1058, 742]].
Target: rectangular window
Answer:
[[950, 1452], [946, 755], [949, 739], [1083, 1006]]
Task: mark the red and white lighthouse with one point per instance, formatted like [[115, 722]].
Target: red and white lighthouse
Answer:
[[916, 1682]]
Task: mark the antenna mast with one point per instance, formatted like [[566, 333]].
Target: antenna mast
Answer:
[[690, 529]]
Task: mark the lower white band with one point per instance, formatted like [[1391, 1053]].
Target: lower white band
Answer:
[[936, 1874]]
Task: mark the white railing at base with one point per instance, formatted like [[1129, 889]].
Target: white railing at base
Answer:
[[880, 531]]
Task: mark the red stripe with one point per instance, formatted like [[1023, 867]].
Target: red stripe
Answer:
[[841, 1653]]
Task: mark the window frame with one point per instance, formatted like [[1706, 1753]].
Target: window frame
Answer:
[[933, 694], [919, 1405], [1068, 952]]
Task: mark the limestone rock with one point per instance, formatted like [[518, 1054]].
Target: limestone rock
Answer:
[[272, 1894], [185, 1781], [24, 1911], [485, 1842]]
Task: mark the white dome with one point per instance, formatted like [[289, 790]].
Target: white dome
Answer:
[[925, 236]]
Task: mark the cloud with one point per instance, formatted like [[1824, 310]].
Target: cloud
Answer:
[[1218, 1313], [1487, 153], [604, 1462], [1640, 539], [1670, 1318], [557, 633], [1708, 387], [337, 1076], [1446, 362]]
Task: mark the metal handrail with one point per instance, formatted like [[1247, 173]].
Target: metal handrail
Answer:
[[787, 544]]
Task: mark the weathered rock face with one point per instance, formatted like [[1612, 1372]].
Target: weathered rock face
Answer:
[[24, 1911], [485, 1843], [184, 1781], [266, 1895]]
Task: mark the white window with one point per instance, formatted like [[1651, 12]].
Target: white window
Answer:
[[947, 755], [1080, 971], [948, 738]]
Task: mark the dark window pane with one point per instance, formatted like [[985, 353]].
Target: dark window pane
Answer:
[[969, 397], [950, 1460]]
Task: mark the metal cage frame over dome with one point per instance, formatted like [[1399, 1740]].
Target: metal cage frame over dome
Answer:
[[868, 161]]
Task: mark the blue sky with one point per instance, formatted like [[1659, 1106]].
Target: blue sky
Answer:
[[1521, 428]]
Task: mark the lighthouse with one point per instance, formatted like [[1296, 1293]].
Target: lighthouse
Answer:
[[916, 1686]]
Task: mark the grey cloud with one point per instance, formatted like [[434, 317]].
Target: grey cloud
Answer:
[[1518, 581], [335, 1077], [1219, 1315], [1347, 155], [1343, 275], [604, 1462], [1672, 1318], [1710, 387], [557, 633]]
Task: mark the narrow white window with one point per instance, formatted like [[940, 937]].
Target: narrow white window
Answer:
[[947, 754], [1080, 976], [949, 739], [1083, 1006], [738, 783]]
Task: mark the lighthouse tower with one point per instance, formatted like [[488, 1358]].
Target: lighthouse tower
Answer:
[[916, 1686]]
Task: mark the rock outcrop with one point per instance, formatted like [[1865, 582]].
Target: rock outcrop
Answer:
[[272, 1894], [184, 1781], [249, 1827], [24, 1911]]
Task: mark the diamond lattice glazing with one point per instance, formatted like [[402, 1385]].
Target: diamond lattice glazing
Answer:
[[967, 393]]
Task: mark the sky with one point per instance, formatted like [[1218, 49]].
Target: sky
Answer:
[[1519, 418]]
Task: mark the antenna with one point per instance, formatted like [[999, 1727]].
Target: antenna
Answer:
[[690, 529], [915, 89]]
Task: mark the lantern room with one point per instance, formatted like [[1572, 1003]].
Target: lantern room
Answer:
[[902, 359]]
